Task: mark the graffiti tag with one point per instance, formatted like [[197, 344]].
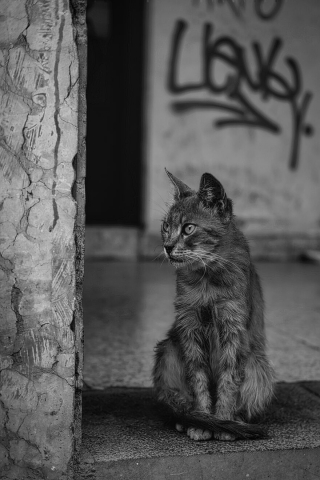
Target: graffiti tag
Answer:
[[264, 13], [267, 82]]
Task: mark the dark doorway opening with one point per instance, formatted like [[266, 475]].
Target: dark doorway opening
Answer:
[[114, 102]]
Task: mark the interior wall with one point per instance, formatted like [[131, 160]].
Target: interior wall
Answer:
[[233, 89]]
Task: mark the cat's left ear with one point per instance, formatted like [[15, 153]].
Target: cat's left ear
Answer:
[[181, 190], [213, 195]]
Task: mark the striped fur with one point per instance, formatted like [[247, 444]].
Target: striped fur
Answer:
[[211, 370]]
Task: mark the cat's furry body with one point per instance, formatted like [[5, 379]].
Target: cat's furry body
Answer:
[[212, 370]]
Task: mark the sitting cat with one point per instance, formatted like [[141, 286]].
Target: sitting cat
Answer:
[[212, 370]]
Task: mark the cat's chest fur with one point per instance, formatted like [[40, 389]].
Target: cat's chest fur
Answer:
[[206, 293], [199, 305]]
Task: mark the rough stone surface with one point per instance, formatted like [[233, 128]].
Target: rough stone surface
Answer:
[[39, 77], [79, 21]]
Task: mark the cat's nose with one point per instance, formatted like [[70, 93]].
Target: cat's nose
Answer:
[[168, 249]]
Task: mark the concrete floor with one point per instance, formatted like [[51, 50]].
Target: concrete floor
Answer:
[[125, 437], [129, 306]]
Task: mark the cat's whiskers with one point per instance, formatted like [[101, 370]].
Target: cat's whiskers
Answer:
[[229, 262], [164, 258], [221, 261], [202, 255], [194, 255], [206, 259], [159, 254]]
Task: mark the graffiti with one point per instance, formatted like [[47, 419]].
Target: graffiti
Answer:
[[264, 14], [237, 7], [267, 82]]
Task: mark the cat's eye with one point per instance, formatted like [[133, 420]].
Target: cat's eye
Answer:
[[165, 227], [188, 228]]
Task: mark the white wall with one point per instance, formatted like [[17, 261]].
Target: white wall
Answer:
[[254, 164]]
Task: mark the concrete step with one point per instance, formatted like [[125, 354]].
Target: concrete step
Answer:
[[125, 437]]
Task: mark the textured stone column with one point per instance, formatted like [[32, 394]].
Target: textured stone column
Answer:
[[40, 296]]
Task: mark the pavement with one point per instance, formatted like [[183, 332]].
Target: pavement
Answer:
[[127, 309]]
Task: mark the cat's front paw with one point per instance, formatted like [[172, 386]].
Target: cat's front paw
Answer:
[[198, 434], [180, 427], [224, 436]]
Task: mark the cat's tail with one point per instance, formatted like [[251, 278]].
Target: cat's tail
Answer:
[[240, 430], [197, 419]]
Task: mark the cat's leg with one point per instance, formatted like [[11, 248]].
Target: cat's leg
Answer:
[[257, 387], [256, 390], [202, 399], [197, 368], [169, 378], [233, 346], [227, 393]]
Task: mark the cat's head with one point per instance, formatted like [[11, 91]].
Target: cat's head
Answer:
[[197, 222]]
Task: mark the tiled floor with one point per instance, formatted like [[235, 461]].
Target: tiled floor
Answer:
[[129, 306]]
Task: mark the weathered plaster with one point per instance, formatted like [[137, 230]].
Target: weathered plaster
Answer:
[[184, 133], [39, 80], [79, 163]]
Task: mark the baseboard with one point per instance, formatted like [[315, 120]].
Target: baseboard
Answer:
[[130, 243], [273, 247], [119, 243]]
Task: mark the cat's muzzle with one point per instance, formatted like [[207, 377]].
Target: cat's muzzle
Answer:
[[175, 260]]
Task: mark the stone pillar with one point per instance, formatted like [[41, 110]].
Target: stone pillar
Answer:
[[41, 238]]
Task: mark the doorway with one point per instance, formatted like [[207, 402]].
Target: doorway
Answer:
[[116, 34]]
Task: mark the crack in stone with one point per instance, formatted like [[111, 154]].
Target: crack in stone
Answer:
[[56, 121], [8, 84], [10, 244], [10, 88], [28, 6], [16, 296], [71, 84], [74, 110], [24, 222], [66, 121], [6, 264], [21, 160]]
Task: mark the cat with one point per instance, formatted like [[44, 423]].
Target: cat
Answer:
[[211, 370]]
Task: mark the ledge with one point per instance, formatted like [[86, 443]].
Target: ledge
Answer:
[[125, 437], [130, 243]]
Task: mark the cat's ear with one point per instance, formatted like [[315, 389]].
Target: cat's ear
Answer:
[[181, 190], [213, 195]]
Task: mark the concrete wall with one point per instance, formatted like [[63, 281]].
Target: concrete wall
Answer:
[[251, 120], [39, 309]]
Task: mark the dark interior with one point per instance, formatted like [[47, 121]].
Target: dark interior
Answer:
[[114, 98]]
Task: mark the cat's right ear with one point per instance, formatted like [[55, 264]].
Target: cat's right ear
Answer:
[[213, 195], [181, 190]]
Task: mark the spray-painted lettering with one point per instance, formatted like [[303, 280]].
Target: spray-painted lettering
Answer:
[[266, 82], [237, 7]]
